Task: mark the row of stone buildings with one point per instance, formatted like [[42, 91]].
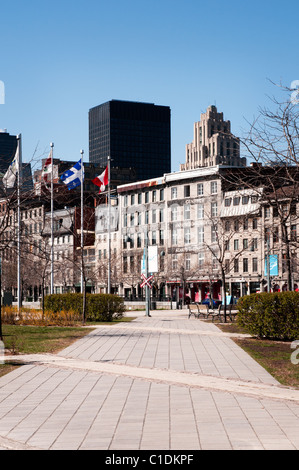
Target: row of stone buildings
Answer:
[[214, 225]]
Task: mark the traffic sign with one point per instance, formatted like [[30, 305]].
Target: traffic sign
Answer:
[[146, 281]]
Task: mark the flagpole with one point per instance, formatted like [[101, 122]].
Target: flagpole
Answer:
[[52, 224], [82, 221], [19, 139], [109, 230]]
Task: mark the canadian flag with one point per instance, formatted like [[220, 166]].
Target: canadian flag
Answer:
[[101, 180], [47, 169]]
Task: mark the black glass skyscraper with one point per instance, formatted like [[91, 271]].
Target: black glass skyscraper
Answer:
[[8, 145], [134, 135]]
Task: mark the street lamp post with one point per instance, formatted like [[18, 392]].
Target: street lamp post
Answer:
[[147, 296]]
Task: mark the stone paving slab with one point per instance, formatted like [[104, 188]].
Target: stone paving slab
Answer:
[[163, 382]]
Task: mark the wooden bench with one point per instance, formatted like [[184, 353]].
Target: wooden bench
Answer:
[[203, 310], [193, 310], [231, 312], [198, 310]]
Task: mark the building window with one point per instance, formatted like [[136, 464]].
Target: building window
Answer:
[[174, 193], [226, 266], [267, 233], [214, 263], [154, 216], [201, 258], [214, 234], [186, 211], [188, 261], [139, 198], [254, 244], [132, 264], [146, 197], [245, 265], [236, 201], [214, 187], [236, 244], [125, 264], [187, 191], [214, 210], [200, 234], [174, 213], [227, 201], [161, 194], [174, 236], [132, 199], [187, 235], [200, 189], [154, 237], [236, 265], [154, 196], [267, 212], [174, 262], [254, 265], [254, 224], [138, 240], [200, 211], [161, 237], [161, 215], [245, 243]]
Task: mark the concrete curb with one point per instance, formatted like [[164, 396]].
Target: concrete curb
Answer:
[[163, 376]]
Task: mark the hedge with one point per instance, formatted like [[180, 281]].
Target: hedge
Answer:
[[99, 307], [270, 315]]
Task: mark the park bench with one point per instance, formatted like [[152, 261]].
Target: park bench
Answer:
[[198, 310], [193, 310], [231, 312]]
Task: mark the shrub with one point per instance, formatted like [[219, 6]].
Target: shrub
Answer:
[[270, 315], [26, 316], [99, 307]]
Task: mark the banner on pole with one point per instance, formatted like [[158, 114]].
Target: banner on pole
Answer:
[[153, 259], [273, 262]]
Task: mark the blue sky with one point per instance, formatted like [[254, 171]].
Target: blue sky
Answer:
[[61, 58]]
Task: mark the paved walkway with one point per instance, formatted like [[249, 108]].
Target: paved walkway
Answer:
[[160, 383]]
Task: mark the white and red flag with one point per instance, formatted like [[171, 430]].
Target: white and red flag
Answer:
[[101, 180], [47, 169]]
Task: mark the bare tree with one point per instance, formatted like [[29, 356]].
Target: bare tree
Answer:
[[272, 146]]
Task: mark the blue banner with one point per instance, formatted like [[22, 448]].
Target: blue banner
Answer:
[[273, 260]]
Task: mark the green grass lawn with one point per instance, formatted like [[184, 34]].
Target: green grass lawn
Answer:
[[20, 339], [39, 339], [274, 356]]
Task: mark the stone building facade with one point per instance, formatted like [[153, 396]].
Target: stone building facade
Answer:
[[213, 143]]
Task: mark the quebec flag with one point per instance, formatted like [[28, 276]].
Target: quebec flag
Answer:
[[73, 177]]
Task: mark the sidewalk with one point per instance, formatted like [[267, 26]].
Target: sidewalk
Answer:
[[164, 382]]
